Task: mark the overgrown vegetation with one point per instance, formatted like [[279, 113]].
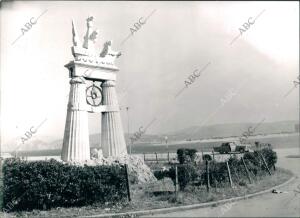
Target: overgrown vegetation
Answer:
[[191, 173], [142, 199], [186, 155], [48, 184], [100, 189]]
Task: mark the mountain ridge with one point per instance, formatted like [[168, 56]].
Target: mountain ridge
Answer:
[[190, 133]]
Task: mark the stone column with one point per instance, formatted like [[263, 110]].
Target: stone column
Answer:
[[112, 135], [76, 146]]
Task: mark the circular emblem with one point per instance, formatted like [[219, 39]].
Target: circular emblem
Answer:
[[93, 95]]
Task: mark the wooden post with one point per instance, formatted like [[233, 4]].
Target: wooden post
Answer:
[[248, 175], [176, 182], [202, 154], [127, 183], [213, 153], [144, 157], [237, 176], [265, 163], [229, 174], [168, 157], [214, 178], [207, 176], [156, 157]]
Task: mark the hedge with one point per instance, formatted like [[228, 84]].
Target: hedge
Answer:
[[48, 184], [218, 173]]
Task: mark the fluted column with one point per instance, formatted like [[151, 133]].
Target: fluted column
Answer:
[[112, 135], [76, 146]]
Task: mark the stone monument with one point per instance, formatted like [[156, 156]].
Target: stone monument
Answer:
[[90, 66]]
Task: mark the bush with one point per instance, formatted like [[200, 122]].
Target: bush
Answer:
[[218, 172], [186, 174], [161, 174], [255, 161], [270, 156], [48, 184], [207, 157], [186, 155]]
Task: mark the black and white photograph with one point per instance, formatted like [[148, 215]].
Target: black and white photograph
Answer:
[[149, 109]]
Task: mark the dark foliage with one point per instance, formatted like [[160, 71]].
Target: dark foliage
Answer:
[[186, 174], [161, 174], [218, 173], [186, 155], [270, 156], [207, 157], [48, 184]]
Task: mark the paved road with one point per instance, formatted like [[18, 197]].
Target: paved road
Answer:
[[274, 205]]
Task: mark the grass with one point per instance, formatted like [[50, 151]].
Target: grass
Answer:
[[142, 199]]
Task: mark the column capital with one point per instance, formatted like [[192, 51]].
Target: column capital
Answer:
[[79, 79], [109, 83]]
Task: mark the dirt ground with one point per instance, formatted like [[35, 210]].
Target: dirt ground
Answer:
[[286, 204]]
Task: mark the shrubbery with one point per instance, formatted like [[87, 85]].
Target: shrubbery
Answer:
[[270, 157], [218, 172], [255, 161], [186, 155], [186, 174], [48, 184]]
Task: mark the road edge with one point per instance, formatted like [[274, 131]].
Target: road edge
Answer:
[[192, 206]]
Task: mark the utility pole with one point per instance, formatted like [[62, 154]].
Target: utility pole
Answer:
[[166, 140], [127, 109]]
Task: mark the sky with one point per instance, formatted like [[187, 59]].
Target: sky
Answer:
[[242, 82]]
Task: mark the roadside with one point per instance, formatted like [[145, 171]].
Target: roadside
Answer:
[[274, 205], [142, 199]]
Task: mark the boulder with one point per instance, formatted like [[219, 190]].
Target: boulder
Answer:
[[162, 186], [139, 172]]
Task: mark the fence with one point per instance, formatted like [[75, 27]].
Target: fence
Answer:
[[160, 157], [201, 156], [217, 174]]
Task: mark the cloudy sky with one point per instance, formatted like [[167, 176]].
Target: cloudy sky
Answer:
[[243, 82]]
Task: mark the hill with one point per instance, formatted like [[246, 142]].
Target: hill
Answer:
[[193, 133]]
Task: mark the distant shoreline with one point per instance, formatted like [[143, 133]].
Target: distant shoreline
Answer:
[[230, 138], [202, 144]]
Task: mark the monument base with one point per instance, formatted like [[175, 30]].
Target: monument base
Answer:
[[139, 172]]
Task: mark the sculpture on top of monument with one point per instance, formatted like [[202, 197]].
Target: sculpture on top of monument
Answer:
[[87, 52], [90, 36], [107, 51], [76, 40]]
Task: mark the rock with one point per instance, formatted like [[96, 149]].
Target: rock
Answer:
[[139, 172], [162, 186]]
